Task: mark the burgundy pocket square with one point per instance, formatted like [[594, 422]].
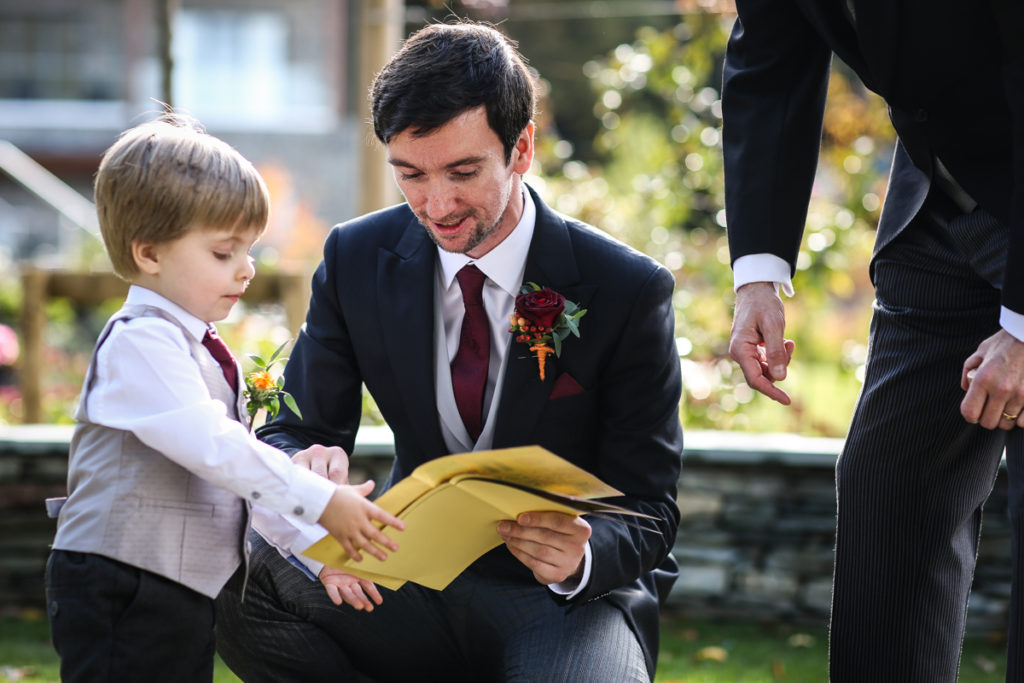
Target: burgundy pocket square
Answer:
[[565, 385]]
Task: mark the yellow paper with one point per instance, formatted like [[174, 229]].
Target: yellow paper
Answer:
[[451, 507]]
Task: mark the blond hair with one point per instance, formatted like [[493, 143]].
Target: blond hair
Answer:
[[165, 177]]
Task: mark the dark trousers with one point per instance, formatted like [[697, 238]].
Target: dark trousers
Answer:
[[480, 628], [113, 622], [913, 475]]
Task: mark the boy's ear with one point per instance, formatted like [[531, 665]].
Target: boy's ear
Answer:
[[146, 257]]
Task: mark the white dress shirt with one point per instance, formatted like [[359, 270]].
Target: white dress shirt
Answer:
[[771, 268], [149, 385]]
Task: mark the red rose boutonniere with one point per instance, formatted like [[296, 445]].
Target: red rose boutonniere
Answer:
[[542, 319]]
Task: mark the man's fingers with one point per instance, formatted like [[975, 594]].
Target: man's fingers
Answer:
[[333, 593], [330, 462], [776, 358], [756, 372]]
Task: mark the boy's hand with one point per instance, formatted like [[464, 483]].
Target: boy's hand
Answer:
[[330, 462], [350, 517], [351, 590]]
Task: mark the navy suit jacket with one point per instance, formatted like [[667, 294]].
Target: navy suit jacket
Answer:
[[371, 320], [952, 73]]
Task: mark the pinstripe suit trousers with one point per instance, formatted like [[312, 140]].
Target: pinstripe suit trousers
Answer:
[[483, 627], [913, 475]]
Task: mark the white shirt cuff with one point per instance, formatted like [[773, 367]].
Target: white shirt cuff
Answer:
[[762, 268], [571, 588], [289, 535], [1012, 322]]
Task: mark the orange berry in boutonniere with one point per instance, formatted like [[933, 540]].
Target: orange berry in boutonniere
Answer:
[[543, 318], [263, 391]]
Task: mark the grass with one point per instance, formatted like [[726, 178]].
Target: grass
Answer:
[[692, 651], [703, 651], [26, 655]]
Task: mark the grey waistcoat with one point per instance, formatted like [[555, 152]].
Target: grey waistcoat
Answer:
[[128, 502]]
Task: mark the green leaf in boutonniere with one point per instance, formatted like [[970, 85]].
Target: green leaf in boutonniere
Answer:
[[542, 320], [265, 392]]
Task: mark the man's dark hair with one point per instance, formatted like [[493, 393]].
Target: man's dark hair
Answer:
[[446, 69]]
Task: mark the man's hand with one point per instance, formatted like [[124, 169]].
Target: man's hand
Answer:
[[550, 544], [330, 462], [345, 588], [757, 343], [993, 377]]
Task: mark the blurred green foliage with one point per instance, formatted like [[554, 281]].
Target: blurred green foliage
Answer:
[[652, 176], [658, 186]]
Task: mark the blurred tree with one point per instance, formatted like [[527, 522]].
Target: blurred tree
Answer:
[[657, 184], [557, 37]]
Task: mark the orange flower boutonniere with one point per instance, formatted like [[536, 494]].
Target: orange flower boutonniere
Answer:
[[543, 319], [263, 391]]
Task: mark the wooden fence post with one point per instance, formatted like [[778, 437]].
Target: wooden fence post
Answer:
[[33, 324], [291, 290]]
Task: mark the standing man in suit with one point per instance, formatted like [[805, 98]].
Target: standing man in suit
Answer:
[[563, 598], [944, 389]]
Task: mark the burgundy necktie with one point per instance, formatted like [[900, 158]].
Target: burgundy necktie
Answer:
[[469, 368], [219, 350]]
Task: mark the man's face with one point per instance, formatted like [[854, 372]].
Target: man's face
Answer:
[[456, 181]]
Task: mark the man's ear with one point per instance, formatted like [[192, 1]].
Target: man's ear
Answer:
[[146, 257], [522, 154]]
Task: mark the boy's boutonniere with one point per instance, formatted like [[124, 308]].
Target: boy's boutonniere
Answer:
[[263, 391], [541, 316]]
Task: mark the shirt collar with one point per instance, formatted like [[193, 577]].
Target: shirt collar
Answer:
[[140, 296], [505, 263]]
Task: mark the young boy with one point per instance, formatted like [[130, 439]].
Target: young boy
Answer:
[[162, 469]]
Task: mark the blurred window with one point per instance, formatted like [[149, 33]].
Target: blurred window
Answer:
[[60, 53], [246, 69]]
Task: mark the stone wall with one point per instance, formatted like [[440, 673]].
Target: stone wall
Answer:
[[755, 540]]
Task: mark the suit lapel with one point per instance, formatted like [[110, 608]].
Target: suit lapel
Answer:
[[405, 285], [551, 262]]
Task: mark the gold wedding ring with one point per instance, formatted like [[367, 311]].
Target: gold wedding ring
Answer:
[[1011, 418]]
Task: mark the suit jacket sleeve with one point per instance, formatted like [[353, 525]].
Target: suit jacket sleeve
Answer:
[[638, 439], [773, 97], [331, 410], [1009, 18]]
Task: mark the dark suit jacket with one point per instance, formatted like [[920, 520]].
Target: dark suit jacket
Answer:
[[371, 320], [951, 71]]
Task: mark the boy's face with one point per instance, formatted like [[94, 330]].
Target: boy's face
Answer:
[[205, 271], [456, 181]]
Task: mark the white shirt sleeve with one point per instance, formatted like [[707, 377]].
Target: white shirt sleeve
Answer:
[[770, 268], [1012, 322], [289, 535], [570, 589], [149, 385], [762, 268]]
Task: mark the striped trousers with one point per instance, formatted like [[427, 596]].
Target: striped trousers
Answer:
[[913, 475], [483, 627]]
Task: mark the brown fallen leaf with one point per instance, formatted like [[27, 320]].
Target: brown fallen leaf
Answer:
[[985, 664], [16, 673], [778, 670], [711, 653], [801, 640]]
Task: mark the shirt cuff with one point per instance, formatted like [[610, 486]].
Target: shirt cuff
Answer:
[[1012, 322], [570, 588], [762, 268], [289, 536]]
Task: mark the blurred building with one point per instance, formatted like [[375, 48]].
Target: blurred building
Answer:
[[284, 82]]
